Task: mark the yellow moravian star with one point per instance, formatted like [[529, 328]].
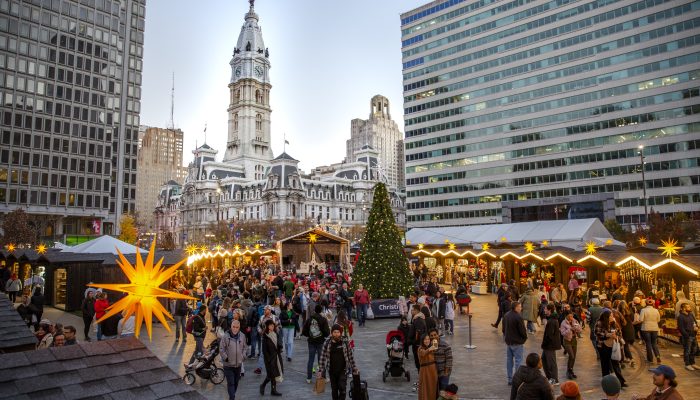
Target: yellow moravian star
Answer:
[[670, 248]]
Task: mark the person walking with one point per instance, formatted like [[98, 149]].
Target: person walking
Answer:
[[88, 311], [551, 342], [450, 315], [288, 320], [665, 385], [427, 376], [199, 331], [13, 287], [346, 298], [529, 383], [416, 331], [316, 330], [336, 359], [100, 306], [592, 315], [625, 317], [272, 353], [443, 359], [362, 300], [500, 295], [607, 332], [181, 311], [570, 329], [688, 327], [233, 353], [515, 337], [649, 319], [531, 307], [37, 305]]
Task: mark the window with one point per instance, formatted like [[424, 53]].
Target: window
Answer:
[[258, 122], [235, 121]]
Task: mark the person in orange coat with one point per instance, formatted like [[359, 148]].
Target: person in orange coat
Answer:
[[427, 376], [101, 305]]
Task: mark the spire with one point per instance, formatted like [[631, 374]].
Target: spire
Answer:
[[251, 13]]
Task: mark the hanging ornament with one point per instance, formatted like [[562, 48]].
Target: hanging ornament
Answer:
[[669, 248]]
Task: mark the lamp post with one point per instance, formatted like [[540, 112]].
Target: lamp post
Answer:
[[644, 186]]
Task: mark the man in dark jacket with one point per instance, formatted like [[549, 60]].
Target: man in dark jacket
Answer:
[[502, 291], [199, 331], [689, 330], [416, 331], [316, 330], [515, 336], [529, 383], [551, 342], [88, 309], [181, 311], [513, 289]]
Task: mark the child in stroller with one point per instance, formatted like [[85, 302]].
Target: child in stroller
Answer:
[[395, 342], [205, 366]]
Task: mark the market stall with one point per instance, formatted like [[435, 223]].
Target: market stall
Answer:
[[314, 248]]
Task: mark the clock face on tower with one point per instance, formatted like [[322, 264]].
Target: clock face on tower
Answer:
[[238, 72], [258, 71]]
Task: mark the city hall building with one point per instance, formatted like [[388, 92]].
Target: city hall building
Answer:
[[531, 110]]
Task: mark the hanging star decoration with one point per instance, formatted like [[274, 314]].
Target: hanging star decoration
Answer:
[[548, 275], [257, 246], [11, 247], [203, 248], [408, 242], [485, 246], [218, 247], [545, 243], [237, 247], [609, 242], [529, 247], [313, 237], [642, 241], [452, 246], [447, 241], [669, 247], [41, 248], [191, 249], [503, 239], [420, 246], [591, 248], [143, 291], [533, 267]]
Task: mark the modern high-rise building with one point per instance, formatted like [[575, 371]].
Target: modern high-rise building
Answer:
[[533, 110], [159, 161], [383, 134], [70, 87]]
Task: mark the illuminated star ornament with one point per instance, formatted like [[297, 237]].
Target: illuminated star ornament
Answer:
[[452, 246], [237, 247], [257, 246], [529, 247], [485, 246], [313, 237], [609, 242], [191, 249], [545, 243], [670, 248], [642, 241], [11, 247], [591, 248], [218, 247], [143, 291], [420, 246], [41, 248], [503, 239]]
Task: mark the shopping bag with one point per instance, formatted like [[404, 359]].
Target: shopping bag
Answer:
[[616, 352], [320, 386], [370, 313]]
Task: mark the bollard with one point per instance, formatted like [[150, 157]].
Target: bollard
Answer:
[[470, 346]]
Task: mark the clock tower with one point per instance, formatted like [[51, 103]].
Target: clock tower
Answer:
[[249, 107]]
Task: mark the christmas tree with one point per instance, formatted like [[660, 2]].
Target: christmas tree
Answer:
[[382, 267]]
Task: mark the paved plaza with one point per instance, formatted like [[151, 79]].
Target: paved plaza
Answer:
[[479, 373]]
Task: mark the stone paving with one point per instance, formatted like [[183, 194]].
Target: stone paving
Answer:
[[479, 373]]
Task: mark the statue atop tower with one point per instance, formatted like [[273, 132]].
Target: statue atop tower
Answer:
[[249, 136]]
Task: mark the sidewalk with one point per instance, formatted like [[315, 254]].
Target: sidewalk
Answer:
[[479, 373]]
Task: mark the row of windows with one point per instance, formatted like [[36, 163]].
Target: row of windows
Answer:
[[53, 162], [574, 41], [45, 124], [490, 212], [454, 202], [581, 114], [22, 177], [569, 57], [569, 146], [431, 10], [496, 23], [33, 197]]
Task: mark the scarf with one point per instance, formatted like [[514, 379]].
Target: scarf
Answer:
[[273, 337]]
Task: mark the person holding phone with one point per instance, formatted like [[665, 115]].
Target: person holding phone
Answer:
[[427, 376]]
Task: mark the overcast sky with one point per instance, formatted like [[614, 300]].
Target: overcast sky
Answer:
[[328, 59]]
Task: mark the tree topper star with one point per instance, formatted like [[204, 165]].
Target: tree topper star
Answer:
[[670, 247], [143, 291]]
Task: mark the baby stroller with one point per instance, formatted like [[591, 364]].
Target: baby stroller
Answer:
[[205, 366], [393, 367]]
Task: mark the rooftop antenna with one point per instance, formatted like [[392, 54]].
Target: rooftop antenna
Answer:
[[172, 104], [205, 133], [286, 142]]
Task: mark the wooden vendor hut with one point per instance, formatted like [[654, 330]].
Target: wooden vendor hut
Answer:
[[314, 247]]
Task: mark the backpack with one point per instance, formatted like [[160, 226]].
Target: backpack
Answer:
[[188, 327], [314, 329]]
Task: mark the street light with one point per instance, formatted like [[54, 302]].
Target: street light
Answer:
[[644, 185]]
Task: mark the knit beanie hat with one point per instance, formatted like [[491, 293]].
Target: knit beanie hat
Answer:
[[611, 385], [570, 389]]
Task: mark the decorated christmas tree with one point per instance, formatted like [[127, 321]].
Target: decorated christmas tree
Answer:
[[382, 267]]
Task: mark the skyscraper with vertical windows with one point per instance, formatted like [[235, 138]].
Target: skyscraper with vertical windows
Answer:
[[70, 89], [534, 110]]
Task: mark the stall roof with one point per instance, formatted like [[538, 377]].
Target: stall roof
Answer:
[[14, 334], [319, 232], [105, 244], [566, 233]]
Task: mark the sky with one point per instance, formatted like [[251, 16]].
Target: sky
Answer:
[[329, 57]]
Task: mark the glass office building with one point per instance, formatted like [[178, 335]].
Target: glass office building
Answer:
[[533, 110], [70, 89]]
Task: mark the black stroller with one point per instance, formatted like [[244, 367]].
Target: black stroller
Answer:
[[395, 342], [205, 366]]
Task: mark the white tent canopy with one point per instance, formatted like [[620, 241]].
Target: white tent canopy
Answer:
[[566, 233], [104, 244]]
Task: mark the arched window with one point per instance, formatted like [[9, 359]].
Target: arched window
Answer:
[[258, 97], [258, 122], [235, 121]]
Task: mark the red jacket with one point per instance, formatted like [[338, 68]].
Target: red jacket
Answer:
[[361, 297], [100, 307]]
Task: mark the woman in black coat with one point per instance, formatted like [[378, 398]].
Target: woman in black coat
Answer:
[[272, 354], [37, 306]]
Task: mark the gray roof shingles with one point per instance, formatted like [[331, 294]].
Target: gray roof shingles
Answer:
[[13, 330], [114, 369]]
